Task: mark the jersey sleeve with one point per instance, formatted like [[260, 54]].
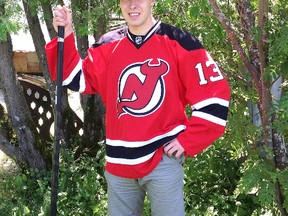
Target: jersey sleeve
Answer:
[[208, 93], [78, 74]]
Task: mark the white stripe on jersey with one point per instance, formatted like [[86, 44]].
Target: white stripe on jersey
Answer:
[[209, 117], [210, 101], [129, 161], [73, 73], [152, 30], [137, 144]]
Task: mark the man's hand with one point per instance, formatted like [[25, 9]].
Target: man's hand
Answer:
[[63, 17], [173, 148]]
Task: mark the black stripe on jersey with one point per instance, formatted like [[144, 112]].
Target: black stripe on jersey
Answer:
[[216, 110], [186, 40], [134, 153], [74, 84]]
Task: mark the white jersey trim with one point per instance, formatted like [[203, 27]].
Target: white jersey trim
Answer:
[[136, 144], [210, 101], [152, 31], [209, 117], [129, 161], [75, 71]]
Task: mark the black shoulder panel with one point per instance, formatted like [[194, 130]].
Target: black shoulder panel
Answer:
[[185, 39], [111, 37]]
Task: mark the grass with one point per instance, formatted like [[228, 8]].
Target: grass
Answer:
[[8, 171]]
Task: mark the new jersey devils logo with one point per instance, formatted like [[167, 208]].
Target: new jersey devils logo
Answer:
[[141, 88]]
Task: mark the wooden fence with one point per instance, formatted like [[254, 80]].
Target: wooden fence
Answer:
[[26, 62], [36, 93]]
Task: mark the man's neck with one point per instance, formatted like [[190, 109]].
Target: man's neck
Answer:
[[142, 30]]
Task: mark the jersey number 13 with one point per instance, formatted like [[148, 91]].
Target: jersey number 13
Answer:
[[210, 63]]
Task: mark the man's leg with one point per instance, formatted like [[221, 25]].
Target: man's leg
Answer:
[[164, 187], [125, 197]]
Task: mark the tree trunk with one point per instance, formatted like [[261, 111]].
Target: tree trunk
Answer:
[[28, 149], [39, 43], [256, 65], [93, 128], [69, 118], [48, 17], [279, 145]]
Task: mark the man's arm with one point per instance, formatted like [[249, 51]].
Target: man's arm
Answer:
[[208, 94]]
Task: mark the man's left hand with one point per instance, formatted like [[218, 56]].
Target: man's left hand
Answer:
[[173, 148]]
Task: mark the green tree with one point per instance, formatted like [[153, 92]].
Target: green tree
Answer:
[[254, 41], [93, 127], [248, 41], [27, 149]]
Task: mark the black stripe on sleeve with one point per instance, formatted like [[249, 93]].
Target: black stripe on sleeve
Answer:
[[216, 110], [74, 85]]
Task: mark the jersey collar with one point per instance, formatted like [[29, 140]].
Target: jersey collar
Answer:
[[139, 40]]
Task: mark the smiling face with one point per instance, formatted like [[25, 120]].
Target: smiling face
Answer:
[[138, 15]]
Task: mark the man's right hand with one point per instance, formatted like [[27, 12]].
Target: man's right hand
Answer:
[[63, 17]]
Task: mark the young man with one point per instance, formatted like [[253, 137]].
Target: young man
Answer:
[[146, 74]]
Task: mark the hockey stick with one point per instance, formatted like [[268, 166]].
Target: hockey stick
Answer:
[[57, 122]]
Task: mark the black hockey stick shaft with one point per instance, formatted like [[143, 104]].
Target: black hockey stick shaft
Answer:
[[57, 122]]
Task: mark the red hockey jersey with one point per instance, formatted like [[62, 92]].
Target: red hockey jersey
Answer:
[[145, 83]]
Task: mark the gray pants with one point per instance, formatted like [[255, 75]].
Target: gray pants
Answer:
[[164, 188]]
